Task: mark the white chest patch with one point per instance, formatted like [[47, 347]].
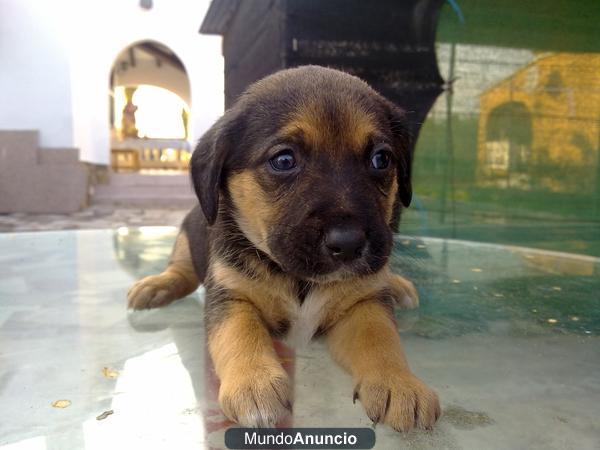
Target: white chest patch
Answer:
[[307, 318]]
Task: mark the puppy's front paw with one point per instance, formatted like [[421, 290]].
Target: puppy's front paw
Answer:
[[256, 397], [153, 291], [404, 292], [398, 399]]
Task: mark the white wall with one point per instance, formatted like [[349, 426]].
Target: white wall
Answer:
[[73, 43], [35, 91]]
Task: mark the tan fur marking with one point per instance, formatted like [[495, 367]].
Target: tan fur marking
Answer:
[[366, 343], [345, 294], [255, 212], [180, 263], [390, 200], [356, 127], [361, 126], [275, 298], [403, 291], [178, 280], [240, 339], [272, 295], [255, 390], [366, 328]]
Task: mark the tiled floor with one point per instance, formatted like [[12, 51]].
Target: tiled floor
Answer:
[[94, 217], [508, 337]]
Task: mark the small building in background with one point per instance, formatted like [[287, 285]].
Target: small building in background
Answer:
[[539, 129]]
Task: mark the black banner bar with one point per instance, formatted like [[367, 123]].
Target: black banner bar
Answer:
[[299, 438]]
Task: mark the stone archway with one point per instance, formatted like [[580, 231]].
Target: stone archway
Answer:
[[154, 68], [508, 138]]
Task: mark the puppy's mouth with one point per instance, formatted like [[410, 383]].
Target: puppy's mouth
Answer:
[[320, 269], [346, 271]]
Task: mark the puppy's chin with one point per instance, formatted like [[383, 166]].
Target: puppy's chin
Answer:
[[336, 271], [341, 274]]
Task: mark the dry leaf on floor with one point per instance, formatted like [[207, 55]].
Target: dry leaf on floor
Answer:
[[61, 403], [105, 414], [109, 373]]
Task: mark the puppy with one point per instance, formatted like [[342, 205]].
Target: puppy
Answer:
[[298, 185]]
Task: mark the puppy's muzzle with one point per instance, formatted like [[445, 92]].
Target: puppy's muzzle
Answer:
[[344, 244]]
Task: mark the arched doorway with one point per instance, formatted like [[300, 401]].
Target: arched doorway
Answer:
[[149, 110], [508, 139]]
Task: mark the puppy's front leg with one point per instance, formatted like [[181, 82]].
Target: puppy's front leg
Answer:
[[403, 291], [367, 344], [178, 279], [255, 389]]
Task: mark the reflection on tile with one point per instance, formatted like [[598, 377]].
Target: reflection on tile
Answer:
[[512, 366], [152, 399]]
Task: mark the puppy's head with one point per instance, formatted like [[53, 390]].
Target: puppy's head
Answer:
[[309, 163]]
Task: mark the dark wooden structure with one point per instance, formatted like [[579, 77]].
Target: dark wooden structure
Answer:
[[388, 43]]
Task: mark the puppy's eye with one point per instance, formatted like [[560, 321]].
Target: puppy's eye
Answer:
[[381, 159], [283, 161]]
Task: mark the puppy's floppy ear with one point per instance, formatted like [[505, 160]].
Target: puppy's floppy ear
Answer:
[[208, 164], [402, 149]]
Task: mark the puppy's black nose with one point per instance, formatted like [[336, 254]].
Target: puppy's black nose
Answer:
[[345, 243]]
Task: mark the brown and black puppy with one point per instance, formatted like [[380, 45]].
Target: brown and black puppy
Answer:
[[297, 186]]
